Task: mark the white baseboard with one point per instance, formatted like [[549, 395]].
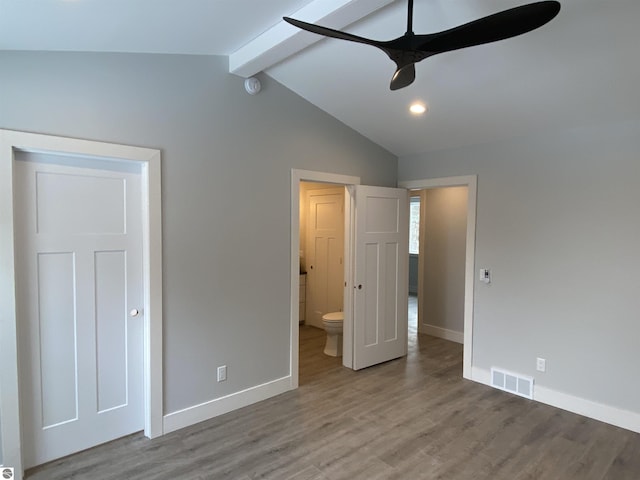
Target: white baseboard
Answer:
[[199, 413], [587, 408], [440, 332]]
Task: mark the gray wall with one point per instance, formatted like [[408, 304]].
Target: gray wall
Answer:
[[413, 274], [445, 227], [557, 223], [227, 158]]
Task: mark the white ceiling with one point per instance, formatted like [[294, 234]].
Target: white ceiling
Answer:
[[580, 69]]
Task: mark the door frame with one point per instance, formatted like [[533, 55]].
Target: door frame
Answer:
[[298, 176], [149, 160], [471, 182]]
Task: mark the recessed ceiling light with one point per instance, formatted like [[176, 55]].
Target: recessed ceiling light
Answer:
[[418, 108]]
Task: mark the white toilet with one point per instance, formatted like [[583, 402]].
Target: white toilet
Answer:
[[333, 326]]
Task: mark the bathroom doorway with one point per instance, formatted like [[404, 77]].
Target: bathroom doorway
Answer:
[[375, 271], [322, 272]]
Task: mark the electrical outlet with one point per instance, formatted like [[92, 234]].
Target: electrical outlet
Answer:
[[541, 364], [222, 373]]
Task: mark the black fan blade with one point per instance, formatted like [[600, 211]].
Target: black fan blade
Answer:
[[329, 32], [499, 26], [403, 77]]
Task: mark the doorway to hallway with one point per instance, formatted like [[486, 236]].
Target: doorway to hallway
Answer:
[[430, 278], [441, 261]]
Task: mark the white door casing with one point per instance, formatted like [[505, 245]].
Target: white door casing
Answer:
[[381, 271], [324, 252], [11, 143], [79, 275]]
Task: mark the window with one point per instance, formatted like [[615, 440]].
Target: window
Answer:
[[414, 225]]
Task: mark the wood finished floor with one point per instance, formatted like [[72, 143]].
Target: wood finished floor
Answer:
[[412, 418]]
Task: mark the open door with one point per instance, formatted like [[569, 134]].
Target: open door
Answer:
[[381, 264]]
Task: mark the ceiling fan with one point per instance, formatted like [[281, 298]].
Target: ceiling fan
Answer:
[[410, 48]]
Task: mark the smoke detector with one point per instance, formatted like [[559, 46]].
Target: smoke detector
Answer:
[[252, 85]]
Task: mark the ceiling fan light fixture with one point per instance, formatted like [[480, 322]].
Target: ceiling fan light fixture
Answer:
[[418, 108]]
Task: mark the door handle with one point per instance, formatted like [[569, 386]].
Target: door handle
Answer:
[[134, 312], [359, 287]]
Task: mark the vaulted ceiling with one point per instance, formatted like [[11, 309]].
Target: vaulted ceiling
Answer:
[[580, 69]]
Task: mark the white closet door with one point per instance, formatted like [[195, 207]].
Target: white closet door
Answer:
[[80, 297]]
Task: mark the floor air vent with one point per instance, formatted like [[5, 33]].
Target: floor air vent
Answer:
[[512, 383]]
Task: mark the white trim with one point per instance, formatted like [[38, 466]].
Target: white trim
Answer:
[[11, 141], [426, 183], [219, 406], [298, 176], [481, 375], [471, 181], [283, 40], [598, 411], [581, 406], [153, 348], [421, 255], [445, 333], [349, 266]]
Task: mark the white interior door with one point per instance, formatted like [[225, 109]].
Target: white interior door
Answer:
[[79, 283], [325, 252], [381, 261]]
